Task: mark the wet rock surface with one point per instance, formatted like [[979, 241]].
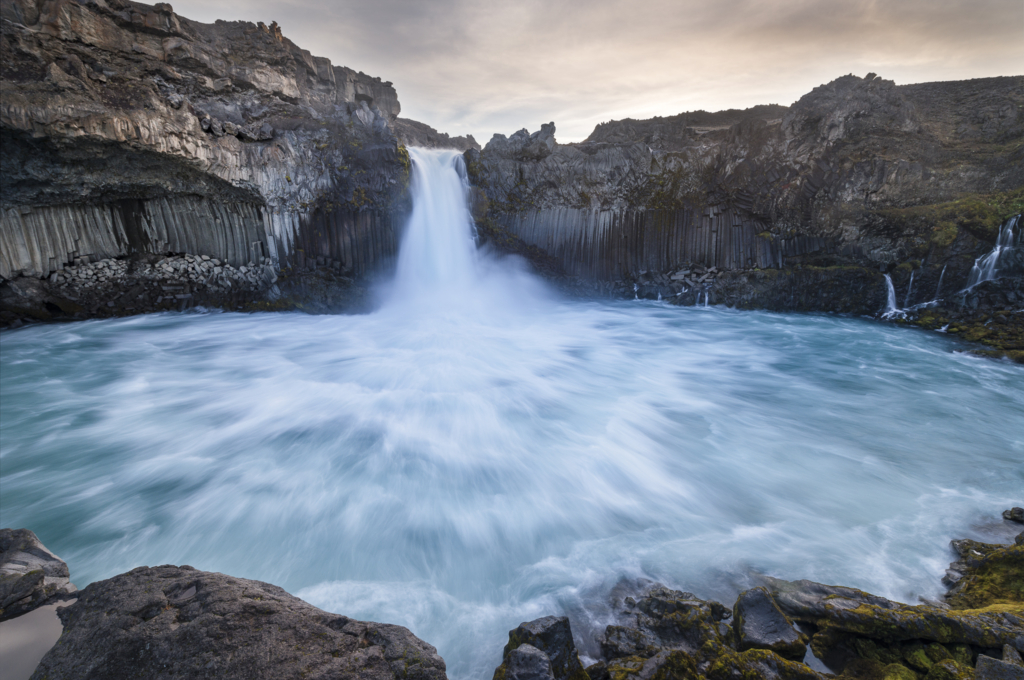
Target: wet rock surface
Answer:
[[178, 622], [546, 641], [30, 575], [760, 624]]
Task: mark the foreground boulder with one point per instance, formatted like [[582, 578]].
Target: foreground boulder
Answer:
[[30, 575], [178, 622], [539, 649]]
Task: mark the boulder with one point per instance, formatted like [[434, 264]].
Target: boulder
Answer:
[[177, 622], [988, 668], [552, 636], [760, 624], [526, 662], [1014, 515], [30, 575]]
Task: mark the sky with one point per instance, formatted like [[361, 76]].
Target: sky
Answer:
[[480, 67]]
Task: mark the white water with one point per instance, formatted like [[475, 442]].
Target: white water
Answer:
[[891, 310], [986, 267], [910, 290], [938, 287], [469, 458]]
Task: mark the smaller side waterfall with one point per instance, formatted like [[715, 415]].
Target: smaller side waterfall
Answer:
[[938, 288], [891, 310], [987, 266], [910, 289]]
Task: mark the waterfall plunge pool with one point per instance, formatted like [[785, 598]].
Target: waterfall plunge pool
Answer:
[[479, 453]]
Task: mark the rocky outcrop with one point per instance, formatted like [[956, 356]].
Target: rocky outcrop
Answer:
[[414, 133], [129, 132], [30, 575], [178, 622]]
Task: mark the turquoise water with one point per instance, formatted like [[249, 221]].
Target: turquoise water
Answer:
[[460, 471]]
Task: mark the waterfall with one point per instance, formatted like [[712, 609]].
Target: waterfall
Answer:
[[437, 257], [939, 287], [891, 310], [440, 271], [986, 267], [910, 289]]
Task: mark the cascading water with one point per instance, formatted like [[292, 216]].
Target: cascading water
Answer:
[[478, 452], [986, 267], [891, 310], [938, 288], [438, 254], [910, 289]]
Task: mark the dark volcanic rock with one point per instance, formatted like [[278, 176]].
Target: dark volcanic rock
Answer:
[[994, 669], [526, 662], [552, 636], [177, 622], [760, 624], [30, 575], [1014, 515], [672, 634]]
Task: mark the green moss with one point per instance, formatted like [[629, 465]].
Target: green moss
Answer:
[[950, 670], [997, 580], [979, 214]]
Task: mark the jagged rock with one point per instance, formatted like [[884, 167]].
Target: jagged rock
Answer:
[[760, 624], [666, 619], [414, 133], [1011, 655], [1014, 515], [552, 636], [526, 662], [994, 669], [178, 622], [30, 575]]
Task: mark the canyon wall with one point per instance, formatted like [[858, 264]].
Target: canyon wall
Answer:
[[128, 130], [858, 172]]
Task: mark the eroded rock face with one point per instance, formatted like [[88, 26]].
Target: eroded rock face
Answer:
[[130, 131], [30, 575], [178, 622]]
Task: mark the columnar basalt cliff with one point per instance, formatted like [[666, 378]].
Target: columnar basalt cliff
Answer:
[[129, 130], [858, 178], [821, 182]]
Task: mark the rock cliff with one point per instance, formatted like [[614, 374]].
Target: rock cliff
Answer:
[[130, 131], [820, 182], [857, 179]]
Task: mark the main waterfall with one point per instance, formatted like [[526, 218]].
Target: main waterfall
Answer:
[[437, 256], [440, 270]]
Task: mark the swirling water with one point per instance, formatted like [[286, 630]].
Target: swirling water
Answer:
[[458, 464]]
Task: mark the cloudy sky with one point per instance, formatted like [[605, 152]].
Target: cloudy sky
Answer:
[[480, 67]]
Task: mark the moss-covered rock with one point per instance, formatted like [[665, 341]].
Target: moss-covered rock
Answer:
[[994, 577]]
